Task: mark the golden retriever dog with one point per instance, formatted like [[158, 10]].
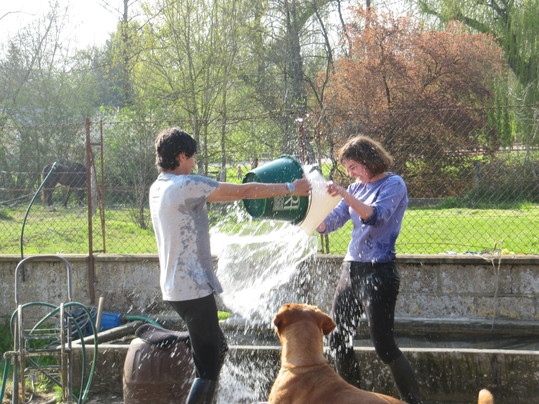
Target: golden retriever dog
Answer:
[[485, 397], [305, 376]]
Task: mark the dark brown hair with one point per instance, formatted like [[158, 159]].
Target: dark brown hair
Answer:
[[169, 143], [367, 151]]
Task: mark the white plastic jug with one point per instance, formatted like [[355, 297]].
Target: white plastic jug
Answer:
[[321, 203]]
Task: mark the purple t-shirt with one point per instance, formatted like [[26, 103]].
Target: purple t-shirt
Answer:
[[373, 240]]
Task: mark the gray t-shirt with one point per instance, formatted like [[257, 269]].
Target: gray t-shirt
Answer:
[[180, 222]]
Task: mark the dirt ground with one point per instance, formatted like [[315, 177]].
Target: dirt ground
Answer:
[[106, 399], [50, 398]]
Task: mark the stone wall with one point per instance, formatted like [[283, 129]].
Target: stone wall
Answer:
[[459, 288], [450, 287], [445, 376], [442, 291]]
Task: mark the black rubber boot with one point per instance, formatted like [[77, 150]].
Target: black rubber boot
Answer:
[[405, 380], [347, 367], [202, 391]]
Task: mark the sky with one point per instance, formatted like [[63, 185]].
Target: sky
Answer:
[[90, 21]]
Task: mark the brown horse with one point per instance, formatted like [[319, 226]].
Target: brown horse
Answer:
[[72, 176]]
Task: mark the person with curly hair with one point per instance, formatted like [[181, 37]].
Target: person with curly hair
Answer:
[[188, 282], [369, 281]]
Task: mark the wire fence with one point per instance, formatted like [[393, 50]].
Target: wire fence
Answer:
[[470, 188]]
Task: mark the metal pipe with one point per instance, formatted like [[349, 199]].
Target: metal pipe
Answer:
[[99, 314]]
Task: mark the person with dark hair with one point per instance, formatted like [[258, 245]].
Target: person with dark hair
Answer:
[[369, 281], [180, 220]]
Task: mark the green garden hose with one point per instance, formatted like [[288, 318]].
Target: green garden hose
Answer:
[[30, 206], [141, 318], [4, 379], [84, 387]]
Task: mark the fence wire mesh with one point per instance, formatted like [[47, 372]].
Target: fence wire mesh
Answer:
[[470, 188]]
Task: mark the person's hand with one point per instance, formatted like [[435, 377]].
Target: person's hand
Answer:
[[334, 190], [303, 187], [321, 227]]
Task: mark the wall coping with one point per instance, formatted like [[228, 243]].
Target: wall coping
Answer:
[[463, 259]]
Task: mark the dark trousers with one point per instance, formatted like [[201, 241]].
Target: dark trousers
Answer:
[[208, 343], [371, 289]]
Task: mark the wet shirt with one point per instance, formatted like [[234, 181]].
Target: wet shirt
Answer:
[[180, 221], [373, 240]]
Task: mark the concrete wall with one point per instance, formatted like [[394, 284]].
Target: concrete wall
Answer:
[[458, 288], [445, 376], [442, 292]]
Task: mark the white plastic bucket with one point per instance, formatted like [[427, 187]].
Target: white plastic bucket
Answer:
[[321, 203]]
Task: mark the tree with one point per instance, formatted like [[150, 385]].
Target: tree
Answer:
[[515, 25], [407, 86], [37, 89], [289, 46], [188, 61], [130, 158]]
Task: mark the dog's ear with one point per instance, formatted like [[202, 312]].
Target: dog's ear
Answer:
[[326, 323], [282, 318], [278, 319]]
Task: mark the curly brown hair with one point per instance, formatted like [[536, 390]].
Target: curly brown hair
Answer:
[[368, 152], [169, 143]]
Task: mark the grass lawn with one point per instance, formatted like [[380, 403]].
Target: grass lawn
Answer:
[[424, 231], [65, 231], [432, 231]]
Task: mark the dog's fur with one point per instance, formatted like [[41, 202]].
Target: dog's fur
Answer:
[[305, 376], [485, 397]]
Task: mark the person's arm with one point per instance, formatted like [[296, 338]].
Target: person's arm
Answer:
[[335, 219], [228, 192], [362, 209]]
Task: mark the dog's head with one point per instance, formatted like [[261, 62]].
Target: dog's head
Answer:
[[294, 312]]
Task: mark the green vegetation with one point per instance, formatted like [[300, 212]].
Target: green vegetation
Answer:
[[223, 315], [425, 231], [6, 339], [6, 343], [432, 231], [65, 231]]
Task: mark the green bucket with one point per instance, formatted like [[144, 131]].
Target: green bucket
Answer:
[[287, 207]]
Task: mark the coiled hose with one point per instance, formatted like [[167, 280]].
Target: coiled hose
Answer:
[[86, 380]]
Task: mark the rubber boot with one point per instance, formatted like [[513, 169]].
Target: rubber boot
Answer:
[[202, 391], [347, 367], [405, 380]]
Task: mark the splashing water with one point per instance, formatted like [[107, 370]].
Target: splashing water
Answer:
[[244, 382], [257, 262], [256, 267]]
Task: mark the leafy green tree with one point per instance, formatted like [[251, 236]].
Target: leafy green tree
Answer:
[[190, 62], [515, 25], [216, 60], [130, 158], [290, 45], [39, 89]]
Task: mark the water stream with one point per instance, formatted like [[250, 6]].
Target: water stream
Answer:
[[256, 268]]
